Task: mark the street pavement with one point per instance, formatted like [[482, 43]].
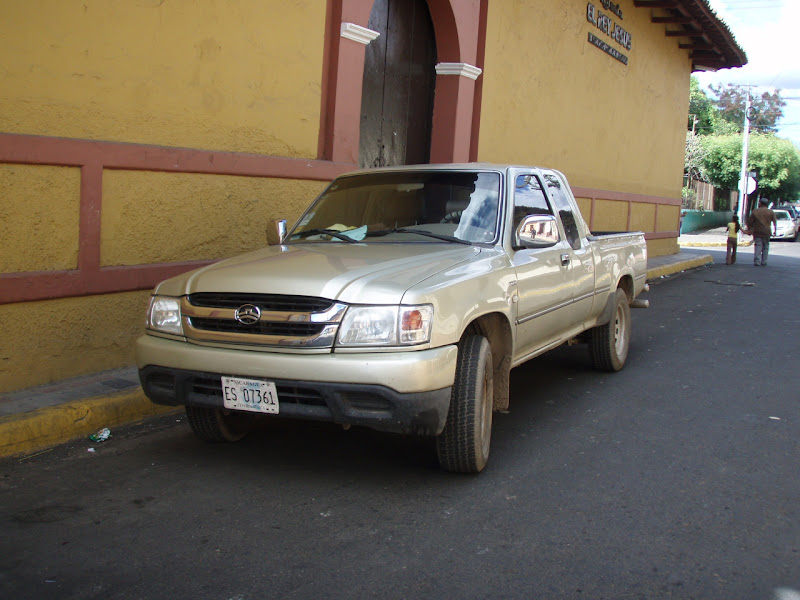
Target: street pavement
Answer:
[[35, 419], [674, 478]]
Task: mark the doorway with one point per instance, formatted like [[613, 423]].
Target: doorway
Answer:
[[398, 85]]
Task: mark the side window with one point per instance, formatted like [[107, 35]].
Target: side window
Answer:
[[529, 199], [561, 200]]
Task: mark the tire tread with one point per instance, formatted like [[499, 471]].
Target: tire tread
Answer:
[[456, 447]]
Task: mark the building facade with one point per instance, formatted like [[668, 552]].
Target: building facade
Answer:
[[141, 139]]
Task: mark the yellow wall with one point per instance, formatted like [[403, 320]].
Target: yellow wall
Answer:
[[212, 74], [216, 216], [246, 76], [642, 217], [662, 247], [668, 217], [147, 217], [54, 339], [551, 98], [207, 74], [39, 210]]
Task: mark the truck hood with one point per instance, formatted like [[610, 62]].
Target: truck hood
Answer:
[[352, 273]]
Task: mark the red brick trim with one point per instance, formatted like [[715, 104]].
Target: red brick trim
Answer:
[[48, 285], [594, 195], [41, 150], [93, 157], [662, 235]]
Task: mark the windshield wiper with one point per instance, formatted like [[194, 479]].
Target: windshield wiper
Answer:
[[331, 232], [438, 236]]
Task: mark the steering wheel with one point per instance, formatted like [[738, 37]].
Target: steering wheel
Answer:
[[452, 217]]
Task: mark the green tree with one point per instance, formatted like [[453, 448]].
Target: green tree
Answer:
[[765, 110], [694, 155], [701, 109], [723, 160], [777, 165], [775, 160]]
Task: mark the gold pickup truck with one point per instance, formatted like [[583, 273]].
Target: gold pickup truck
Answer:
[[400, 300]]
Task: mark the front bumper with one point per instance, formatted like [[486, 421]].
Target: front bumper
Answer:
[[404, 392], [374, 406]]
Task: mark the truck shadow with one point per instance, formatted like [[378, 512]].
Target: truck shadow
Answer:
[[537, 388]]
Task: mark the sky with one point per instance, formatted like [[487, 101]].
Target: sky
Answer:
[[767, 30]]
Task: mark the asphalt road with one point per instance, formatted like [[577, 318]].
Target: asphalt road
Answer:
[[675, 478]]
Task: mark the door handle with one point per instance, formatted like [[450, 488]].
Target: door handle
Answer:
[[564, 260]]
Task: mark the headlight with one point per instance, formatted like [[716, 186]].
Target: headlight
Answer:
[[164, 315], [386, 325]]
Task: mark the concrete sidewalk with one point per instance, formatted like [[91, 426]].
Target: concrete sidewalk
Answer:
[[714, 237], [35, 419]]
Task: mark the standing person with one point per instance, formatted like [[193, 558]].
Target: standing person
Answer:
[[733, 240], [761, 224]]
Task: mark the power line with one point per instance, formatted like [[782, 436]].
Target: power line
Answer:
[[749, 4]]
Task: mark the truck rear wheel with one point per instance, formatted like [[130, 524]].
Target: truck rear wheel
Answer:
[[216, 425], [609, 343], [463, 446]]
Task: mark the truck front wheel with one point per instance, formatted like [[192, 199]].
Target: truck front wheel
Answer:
[[463, 446], [216, 425], [610, 342]]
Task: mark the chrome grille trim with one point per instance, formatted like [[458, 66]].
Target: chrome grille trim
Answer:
[[211, 318], [333, 315]]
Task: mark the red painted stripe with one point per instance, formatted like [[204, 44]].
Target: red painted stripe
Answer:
[[94, 156], [47, 285], [594, 194], [39, 150]]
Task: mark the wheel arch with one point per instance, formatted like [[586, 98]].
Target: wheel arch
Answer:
[[497, 330], [625, 284]]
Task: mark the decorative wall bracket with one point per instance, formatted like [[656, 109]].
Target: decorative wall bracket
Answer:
[[359, 34], [462, 69]]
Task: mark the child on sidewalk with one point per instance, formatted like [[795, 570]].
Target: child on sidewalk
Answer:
[[733, 240]]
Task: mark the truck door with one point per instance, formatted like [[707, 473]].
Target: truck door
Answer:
[[544, 275], [580, 254]]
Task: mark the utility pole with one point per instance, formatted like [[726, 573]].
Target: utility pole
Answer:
[[743, 179]]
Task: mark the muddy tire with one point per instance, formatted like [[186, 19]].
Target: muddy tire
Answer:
[[217, 425], [609, 343], [463, 446]]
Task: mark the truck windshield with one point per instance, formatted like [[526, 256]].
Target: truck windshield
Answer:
[[404, 206]]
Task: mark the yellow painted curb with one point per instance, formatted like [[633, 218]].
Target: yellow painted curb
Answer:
[[39, 429], [711, 244], [677, 267]]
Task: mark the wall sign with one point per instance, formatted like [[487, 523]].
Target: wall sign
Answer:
[[606, 25]]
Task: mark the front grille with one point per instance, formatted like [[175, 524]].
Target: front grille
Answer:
[[283, 321], [266, 302], [260, 328], [205, 386], [299, 395]]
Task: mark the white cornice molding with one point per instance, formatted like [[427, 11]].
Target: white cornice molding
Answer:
[[359, 34], [462, 69]]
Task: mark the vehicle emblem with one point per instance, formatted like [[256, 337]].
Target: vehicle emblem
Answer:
[[247, 314]]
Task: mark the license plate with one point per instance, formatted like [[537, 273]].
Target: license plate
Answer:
[[253, 395]]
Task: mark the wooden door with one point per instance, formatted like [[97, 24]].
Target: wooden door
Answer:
[[398, 85]]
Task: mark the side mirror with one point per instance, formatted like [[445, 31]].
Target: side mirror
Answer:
[[276, 231], [537, 231]]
